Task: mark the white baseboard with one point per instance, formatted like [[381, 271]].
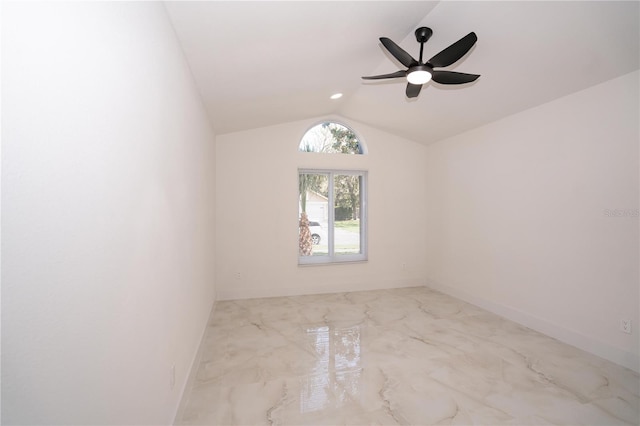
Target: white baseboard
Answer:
[[258, 289], [586, 343], [193, 370]]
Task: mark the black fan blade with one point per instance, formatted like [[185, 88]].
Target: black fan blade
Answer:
[[392, 75], [454, 52], [398, 53], [452, 77], [413, 90]]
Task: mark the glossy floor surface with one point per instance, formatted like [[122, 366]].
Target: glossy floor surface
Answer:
[[408, 356]]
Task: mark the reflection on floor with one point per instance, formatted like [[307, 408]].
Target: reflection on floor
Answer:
[[408, 356]]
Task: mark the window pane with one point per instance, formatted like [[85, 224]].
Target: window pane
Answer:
[[313, 214], [347, 223]]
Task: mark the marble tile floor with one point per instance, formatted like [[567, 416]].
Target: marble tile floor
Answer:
[[410, 356]]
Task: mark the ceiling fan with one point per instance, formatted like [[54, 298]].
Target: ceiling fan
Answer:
[[418, 72]]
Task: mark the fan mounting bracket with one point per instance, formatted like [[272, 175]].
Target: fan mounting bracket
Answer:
[[423, 34]]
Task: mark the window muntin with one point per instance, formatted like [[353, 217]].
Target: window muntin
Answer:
[[332, 216], [330, 137]]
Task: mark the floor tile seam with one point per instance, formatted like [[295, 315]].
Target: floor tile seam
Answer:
[[482, 401], [204, 386]]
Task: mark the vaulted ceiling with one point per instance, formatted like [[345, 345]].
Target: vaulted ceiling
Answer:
[[269, 62]]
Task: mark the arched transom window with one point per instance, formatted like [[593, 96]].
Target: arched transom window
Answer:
[[333, 138]]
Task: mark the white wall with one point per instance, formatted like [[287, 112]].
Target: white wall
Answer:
[[108, 212], [518, 217], [257, 213]]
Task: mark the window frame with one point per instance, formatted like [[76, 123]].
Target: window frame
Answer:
[[332, 258]]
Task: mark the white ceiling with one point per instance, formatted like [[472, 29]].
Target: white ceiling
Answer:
[[269, 62]]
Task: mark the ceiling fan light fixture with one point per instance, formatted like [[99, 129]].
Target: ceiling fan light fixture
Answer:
[[419, 74]]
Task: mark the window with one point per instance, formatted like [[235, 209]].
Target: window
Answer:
[[332, 212], [332, 203], [330, 137]]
